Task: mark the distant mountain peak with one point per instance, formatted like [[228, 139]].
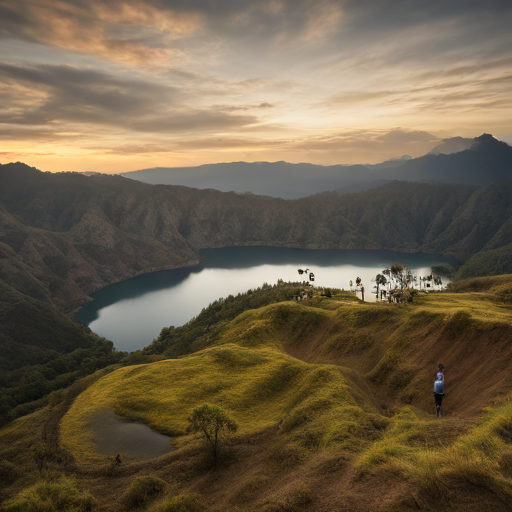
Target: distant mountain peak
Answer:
[[488, 141], [452, 145]]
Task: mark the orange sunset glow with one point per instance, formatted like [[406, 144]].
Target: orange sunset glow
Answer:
[[115, 86]]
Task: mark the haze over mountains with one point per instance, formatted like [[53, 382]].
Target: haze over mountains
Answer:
[[477, 161], [452, 145]]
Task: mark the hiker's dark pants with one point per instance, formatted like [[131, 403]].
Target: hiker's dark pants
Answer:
[[439, 398]]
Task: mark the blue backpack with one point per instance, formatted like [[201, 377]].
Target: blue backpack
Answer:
[[439, 387]]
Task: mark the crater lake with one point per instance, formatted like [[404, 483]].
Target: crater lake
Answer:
[[132, 313]]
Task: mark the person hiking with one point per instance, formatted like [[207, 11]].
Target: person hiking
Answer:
[[438, 395]]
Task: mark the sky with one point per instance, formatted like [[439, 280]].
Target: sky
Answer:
[[119, 85]]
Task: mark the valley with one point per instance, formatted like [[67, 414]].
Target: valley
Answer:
[[65, 236], [132, 313]]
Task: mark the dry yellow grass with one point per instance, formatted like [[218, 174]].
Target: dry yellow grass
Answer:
[[352, 386], [259, 387]]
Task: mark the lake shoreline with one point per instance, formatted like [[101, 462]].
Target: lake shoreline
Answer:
[[202, 259], [133, 312], [72, 313]]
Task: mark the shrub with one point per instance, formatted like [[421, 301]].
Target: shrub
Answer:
[[62, 495], [142, 490], [286, 455], [182, 503], [299, 499], [380, 454]]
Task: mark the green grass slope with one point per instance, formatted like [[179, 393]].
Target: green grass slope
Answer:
[[335, 408]]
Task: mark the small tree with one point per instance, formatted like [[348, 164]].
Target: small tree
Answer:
[[381, 281], [402, 274], [214, 423]]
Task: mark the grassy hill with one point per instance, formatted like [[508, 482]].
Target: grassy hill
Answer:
[[335, 407]]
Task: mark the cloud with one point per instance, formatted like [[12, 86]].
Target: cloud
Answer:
[[38, 134], [84, 96], [200, 120], [198, 144], [355, 97], [235, 108], [11, 154], [342, 143], [130, 31], [315, 79]]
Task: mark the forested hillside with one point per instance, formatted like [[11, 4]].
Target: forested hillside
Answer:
[[67, 235]]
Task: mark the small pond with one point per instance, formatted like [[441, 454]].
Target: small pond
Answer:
[[113, 434]]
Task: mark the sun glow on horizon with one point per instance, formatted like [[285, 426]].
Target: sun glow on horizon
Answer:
[[149, 84]]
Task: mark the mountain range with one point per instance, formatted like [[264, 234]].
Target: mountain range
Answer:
[[478, 161]]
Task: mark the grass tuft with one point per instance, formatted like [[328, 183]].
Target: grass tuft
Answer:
[[182, 503], [62, 495], [143, 490]]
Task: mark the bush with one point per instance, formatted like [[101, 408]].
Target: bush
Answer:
[[142, 490], [214, 423], [182, 503], [59, 496]]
